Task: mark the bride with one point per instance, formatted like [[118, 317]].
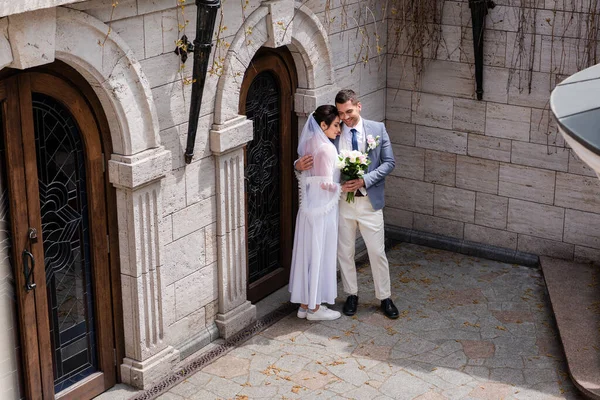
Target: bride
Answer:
[[313, 274]]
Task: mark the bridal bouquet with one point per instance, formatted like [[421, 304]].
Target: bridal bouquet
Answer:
[[353, 165]]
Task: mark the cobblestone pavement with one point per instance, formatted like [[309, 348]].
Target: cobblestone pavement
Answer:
[[469, 328]]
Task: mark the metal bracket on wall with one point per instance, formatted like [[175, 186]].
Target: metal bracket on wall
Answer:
[[479, 10]]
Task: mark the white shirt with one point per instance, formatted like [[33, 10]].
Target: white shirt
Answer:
[[361, 137]]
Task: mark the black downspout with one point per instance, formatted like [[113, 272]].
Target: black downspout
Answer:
[[205, 25], [479, 9]]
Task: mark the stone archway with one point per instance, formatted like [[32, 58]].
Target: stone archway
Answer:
[[306, 38], [136, 168]]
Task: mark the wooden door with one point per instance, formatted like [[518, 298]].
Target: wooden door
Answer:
[[57, 206], [267, 99]]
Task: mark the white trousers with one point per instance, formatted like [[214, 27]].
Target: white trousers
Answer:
[[361, 215]]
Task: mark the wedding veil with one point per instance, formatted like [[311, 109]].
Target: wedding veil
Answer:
[[319, 186]]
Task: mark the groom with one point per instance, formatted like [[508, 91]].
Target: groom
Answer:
[[365, 213]]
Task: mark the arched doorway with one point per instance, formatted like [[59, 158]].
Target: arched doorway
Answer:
[[266, 98], [61, 226]]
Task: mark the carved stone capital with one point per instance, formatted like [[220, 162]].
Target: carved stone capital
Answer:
[[307, 100], [231, 135], [139, 169]]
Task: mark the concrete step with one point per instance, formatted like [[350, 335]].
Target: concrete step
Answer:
[[574, 291]]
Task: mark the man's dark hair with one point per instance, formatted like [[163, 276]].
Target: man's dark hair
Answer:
[[346, 94]]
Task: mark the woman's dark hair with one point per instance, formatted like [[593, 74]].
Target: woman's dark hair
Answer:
[[325, 113]]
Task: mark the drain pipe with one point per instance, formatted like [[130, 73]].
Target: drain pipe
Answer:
[[479, 9], [205, 25]]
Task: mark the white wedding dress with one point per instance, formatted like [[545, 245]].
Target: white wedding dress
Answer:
[[313, 274]]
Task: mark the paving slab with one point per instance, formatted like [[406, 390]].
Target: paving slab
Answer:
[[469, 328], [575, 299]]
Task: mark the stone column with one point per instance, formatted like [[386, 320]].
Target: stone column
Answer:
[[139, 207], [227, 142]]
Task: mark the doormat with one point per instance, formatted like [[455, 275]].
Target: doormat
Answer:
[[200, 362]]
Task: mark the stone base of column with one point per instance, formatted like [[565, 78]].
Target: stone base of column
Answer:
[[142, 374], [235, 320]]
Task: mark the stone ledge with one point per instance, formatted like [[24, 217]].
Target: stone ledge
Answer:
[[461, 246], [574, 302]]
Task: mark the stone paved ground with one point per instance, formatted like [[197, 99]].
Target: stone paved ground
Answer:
[[468, 329]]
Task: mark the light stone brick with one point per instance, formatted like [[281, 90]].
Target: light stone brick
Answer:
[[396, 217], [212, 309], [432, 110], [200, 180], [339, 43], [399, 105], [188, 326], [562, 56], [456, 13], [491, 210], [401, 133], [450, 48], [519, 56], [376, 105], [210, 236], [131, 30], [153, 45], [410, 162], [347, 77], [582, 228], [489, 147], [544, 129], [401, 73], [541, 156], [410, 195], [183, 257], [196, 290], [453, 203], [587, 255], [545, 247], [168, 304], [526, 183], [164, 69], [576, 166], [477, 174], [441, 139], [541, 86], [104, 11], [449, 78], [173, 191], [440, 226], [468, 116], [372, 75], [194, 217], [166, 229], [150, 6], [494, 48], [495, 82], [171, 104], [170, 138], [31, 44], [578, 192], [170, 29], [507, 121], [440, 167], [535, 219], [494, 237]]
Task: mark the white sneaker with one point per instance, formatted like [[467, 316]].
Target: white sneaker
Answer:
[[323, 314], [302, 312]]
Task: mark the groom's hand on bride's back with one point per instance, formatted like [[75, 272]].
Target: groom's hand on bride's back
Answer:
[[304, 163]]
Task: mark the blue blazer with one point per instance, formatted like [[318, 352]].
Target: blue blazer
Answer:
[[382, 162]]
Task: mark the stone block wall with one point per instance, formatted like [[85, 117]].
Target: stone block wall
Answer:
[[494, 171], [189, 224]]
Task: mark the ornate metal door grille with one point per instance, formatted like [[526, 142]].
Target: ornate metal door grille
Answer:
[[263, 176], [65, 228]]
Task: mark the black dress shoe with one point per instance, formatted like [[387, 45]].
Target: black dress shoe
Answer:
[[388, 308], [351, 305]]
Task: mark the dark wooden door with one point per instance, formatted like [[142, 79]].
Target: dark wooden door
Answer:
[[267, 99], [57, 207]]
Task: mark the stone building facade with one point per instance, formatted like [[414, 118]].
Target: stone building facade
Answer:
[[177, 275]]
